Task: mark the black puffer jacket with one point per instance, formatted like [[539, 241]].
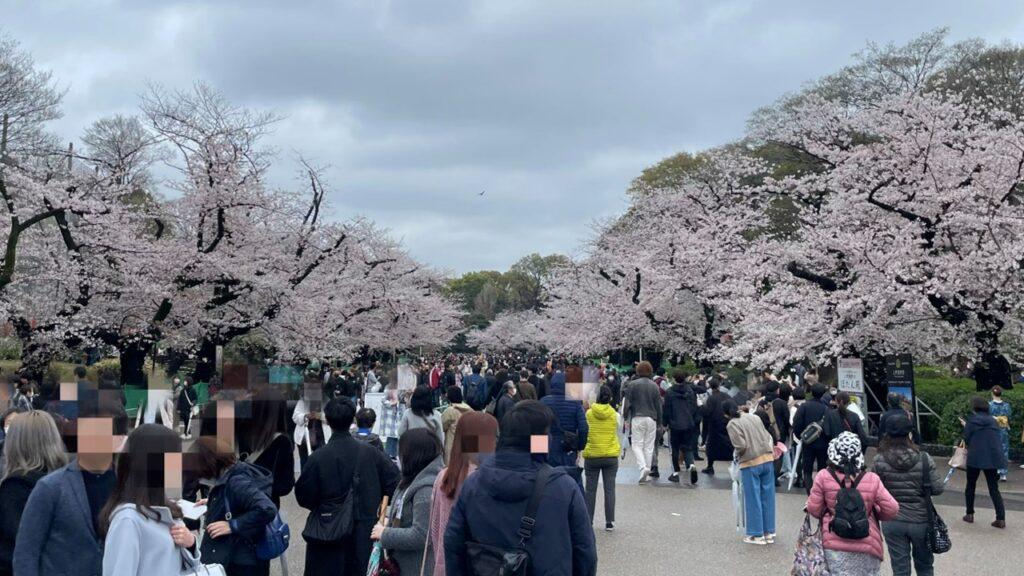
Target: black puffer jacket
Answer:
[[901, 474]]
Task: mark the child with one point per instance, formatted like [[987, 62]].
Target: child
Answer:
[[365, 419]]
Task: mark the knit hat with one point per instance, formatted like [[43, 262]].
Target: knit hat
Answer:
[[844, 451]]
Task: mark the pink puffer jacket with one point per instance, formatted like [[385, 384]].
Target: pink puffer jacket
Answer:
[[881, 506]]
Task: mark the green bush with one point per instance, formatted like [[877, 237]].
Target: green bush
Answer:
[[107, 364], [937, 389], [10, 349], [950, 430]]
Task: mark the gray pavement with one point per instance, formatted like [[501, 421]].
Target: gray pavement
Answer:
[[678, 530]]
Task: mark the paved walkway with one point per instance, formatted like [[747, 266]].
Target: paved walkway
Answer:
[[679, 530]]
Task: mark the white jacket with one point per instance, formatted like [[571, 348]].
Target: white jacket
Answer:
[[299, 417], [137, 545]]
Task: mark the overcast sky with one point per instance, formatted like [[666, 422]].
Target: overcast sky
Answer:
[[550, 106]]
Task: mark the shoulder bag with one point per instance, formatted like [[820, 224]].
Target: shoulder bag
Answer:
[[938, 532], [487, 560], [332, 521]]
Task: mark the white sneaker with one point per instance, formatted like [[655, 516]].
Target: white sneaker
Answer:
[[770, 538], [755, 540], [645, 475]]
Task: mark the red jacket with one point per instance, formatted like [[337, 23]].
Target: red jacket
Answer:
[[877, 500]]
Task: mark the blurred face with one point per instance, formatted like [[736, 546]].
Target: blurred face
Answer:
[[96, 436], [173, 468]]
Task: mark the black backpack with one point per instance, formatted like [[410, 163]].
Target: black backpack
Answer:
[[850, 520]]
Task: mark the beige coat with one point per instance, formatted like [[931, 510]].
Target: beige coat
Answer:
[[752, 442], [449, 419]]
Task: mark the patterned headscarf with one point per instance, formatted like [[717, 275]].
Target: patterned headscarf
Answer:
[[845, 450]]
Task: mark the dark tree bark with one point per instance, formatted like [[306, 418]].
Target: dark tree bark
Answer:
[[133, 363], [206, 361], [992, 369]]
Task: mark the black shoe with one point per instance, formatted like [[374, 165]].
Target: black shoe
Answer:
[[708, 471], [608, 526], [654, 472], [693, 474], [674, 477]]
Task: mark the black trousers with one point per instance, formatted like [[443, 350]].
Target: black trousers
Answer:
[[346, 558], [908, 541], [684, 441], [261, 569], [992, 479], [812, 459]]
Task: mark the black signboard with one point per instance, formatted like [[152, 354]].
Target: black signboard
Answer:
[[899, 379]]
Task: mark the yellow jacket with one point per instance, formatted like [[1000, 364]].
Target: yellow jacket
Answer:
[[603, 437]]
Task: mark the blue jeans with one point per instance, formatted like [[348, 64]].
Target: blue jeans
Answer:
[[391, 448], [759, 498]]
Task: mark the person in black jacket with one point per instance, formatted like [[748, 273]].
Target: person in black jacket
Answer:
[[237, 510], [840, 419], [33, 449], [813, 456], [506, 400], [263, 440], [187, 398], [329, 475], [681, 416], [984, 454], [718, 446]]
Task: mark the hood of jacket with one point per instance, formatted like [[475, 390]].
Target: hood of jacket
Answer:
[[260, 477], [510, 475], [603, 411], [679, 390], [462, 407], [557, 385], [426, 476], [902, 459]]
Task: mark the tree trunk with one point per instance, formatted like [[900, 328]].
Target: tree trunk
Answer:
[[992, 369], [35, 356], [206, 361], [133, 364]]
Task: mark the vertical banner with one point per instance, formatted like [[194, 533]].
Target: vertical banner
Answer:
[[850, 376], [899, 378]]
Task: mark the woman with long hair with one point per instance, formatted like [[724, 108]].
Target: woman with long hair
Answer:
[[263, 440], [238, 507], [421, 414], [984, 455], [476, 433], [405, 536], [902, 466], [141, 522], [32, 449]]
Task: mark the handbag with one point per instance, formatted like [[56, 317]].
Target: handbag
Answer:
[[332, 521], [809, 558], [938, 533], [275, 538], [190, 569], [487, 560], [959, 458]]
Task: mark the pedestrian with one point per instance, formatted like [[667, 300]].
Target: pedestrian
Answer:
[[475, 436], [405, 536], [903, 468], [345, 468], [849, 555], [187, 398], [814, 455], [641, 407], [506, 400], [841, 419], [568, 433], [142, 525], [895, 409], [421, 414], [365, 419], [527, 391], [451, 416], [310, 433], [21, 401], [263, 441], [474, 388], [32, 449], [984, 455], [601, 454], [392, 411], [681, 416], [238, 506], [1002, 412], [62, 512], [717, 446], [493, 501], [755, 454]]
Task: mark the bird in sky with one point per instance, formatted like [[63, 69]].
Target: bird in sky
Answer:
[[482, 193]]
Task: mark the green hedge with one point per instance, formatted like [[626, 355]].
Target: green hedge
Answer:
[[951, 398]]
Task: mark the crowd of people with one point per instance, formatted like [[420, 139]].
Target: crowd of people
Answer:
[[475, 464]]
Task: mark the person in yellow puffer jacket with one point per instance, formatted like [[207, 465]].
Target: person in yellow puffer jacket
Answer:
[[601, 455]]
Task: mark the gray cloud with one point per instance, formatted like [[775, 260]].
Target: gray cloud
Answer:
[[552, 107]]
